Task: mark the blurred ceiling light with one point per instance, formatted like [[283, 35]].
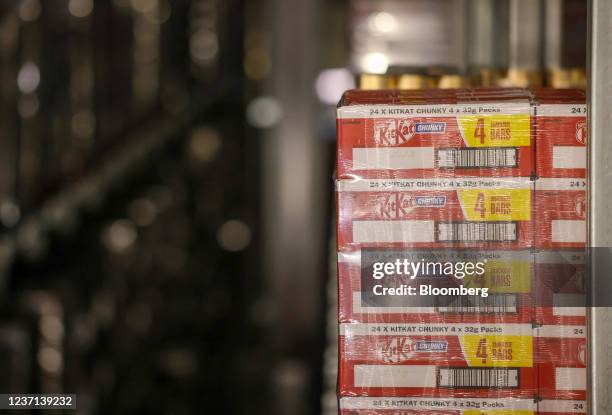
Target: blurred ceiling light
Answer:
[[331, 84], [80, 8], [162, 15], [257, 63], [29, 10], [234, 235], [383, 22], [142, 211], [50, 360], [203, 46], [27, 106], [143, 6], [58, 214], [31, 240], [52, 328], [28, 78], [375, 63], [204, 144], [9, 213], [120, 236], [83, 124], [264, 112]]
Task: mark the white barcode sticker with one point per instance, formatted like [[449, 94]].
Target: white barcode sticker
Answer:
[[393, 158], [494, 303], [451, 158], [470, 377], [395, 376], [569, 157], [570, 378], [477, 231], [377, 231], [570, 231]]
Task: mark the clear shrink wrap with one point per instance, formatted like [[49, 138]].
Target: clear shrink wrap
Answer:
[[429, 181]]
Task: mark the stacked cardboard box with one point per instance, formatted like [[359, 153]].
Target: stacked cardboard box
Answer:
[[560, 243], [451, 178]]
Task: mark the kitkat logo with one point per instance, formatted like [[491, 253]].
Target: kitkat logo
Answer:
[[581, 132], [400, 205], [389, 132], [395, 349], [394, 206], [401, 349]]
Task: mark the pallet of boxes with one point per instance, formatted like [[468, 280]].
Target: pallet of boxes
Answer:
[[461, 238]]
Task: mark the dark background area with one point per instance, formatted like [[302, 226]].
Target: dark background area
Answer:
[[166, 191]]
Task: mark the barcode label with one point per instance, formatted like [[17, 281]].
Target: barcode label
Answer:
[[450, 158], [471, 377], [494, 303], [477, 232]]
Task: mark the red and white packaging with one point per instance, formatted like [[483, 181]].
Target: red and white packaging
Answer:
[[385, 136], [479, 173], [561, 407], [560, 287], [492, 213], [560, 354], [561, 132], [507, 276], [560, 213], [441, 360], [435, 406]]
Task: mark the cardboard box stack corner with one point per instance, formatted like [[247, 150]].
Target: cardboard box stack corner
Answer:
[[496, 176]]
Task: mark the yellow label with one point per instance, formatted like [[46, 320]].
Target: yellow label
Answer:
[[496, 130], [498, 351], [496, 204], [498, 412], [503, 276]]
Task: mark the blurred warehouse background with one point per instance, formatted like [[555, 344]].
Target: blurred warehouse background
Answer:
[[166, 182]]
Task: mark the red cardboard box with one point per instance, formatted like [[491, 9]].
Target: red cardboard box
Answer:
[[506, 274], [560, 125], [560, 287], [560, 213], [487, 213], [442, 360], [561, 358], [389, 135]]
